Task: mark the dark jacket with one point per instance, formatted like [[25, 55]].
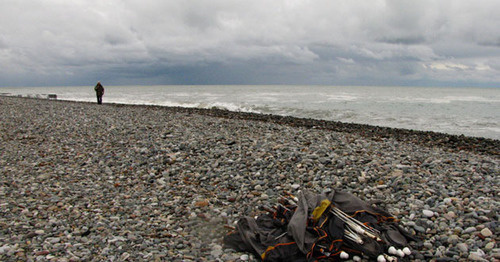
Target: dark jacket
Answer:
[[99, 89]]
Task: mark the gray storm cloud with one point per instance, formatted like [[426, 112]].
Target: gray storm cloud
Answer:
[[391, 42]]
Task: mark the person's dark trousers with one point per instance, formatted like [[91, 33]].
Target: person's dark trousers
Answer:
[[99, 100]]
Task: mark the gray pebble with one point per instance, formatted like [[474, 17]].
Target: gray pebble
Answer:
[[463, 247]]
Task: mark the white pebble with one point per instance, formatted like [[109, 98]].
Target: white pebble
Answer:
[[428, 213], [407, 251], [381, 258], [356, 258], [124, 256], [4, 249], [244, 257], [400, 253], [486, 232], [480, 252], [392, 250], [344, 255]]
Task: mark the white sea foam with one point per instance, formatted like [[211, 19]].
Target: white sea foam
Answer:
[[443, 100], [342, 97]]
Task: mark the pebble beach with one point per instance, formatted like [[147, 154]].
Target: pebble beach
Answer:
[[87, 182]]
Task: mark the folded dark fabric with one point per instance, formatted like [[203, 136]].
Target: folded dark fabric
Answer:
[[312, 227]]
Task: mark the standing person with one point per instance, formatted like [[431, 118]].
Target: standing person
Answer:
[[99, 91]]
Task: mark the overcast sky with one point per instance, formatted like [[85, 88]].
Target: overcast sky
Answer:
[[330, 42]]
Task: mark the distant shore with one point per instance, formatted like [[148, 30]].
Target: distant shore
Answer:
[[114, 182]]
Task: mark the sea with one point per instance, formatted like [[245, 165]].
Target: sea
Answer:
[[453, 110]]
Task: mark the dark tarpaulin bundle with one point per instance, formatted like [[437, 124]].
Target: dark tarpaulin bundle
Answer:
[[313, 227]]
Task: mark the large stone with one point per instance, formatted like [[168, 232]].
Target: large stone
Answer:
[[475, 257], [489, 246], [427, 213], [450, 215], [463, 247], [486, 232], [469, 230], [453, 239]]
